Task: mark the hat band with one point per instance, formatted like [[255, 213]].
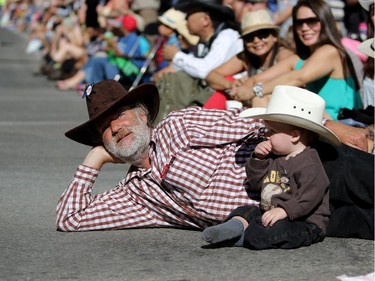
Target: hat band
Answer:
[[169, 20], [253, 28]]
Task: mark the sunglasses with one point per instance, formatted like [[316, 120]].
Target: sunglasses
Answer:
[[311, 22], [260, 34]]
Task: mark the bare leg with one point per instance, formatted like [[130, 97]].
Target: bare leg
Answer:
[[71, 83]]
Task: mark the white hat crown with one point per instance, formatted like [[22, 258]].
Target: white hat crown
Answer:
[[295, 106], [171, 17], [366, 4], [367, 47], [298, 102]]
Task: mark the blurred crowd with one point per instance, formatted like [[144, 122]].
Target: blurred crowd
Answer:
[[137, 41], [79, 39]]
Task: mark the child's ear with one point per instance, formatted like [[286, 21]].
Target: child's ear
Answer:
[[296, 135]]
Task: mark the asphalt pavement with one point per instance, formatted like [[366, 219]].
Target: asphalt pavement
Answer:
[[37, 163]]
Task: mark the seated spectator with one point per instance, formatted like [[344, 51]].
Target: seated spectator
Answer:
[[124, 57], [317, 40], [167, 30], [147, 9], [367, 48], [286, 170], [67, 48], [111, 9], [57, 32], [95, 47], [187, 40], [173, 28], [213, 23], [262, 49], [253, 5], [283, 16]]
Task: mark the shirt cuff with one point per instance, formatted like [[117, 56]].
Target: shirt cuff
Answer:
[[87, 173], [179, 58]]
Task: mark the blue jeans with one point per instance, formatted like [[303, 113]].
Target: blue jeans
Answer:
[[100, 69], [283, 234]]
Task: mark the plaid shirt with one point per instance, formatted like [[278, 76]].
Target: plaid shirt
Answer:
[[197, 177]]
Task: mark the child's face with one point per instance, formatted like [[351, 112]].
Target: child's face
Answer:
[[165, 30], [280, 136]]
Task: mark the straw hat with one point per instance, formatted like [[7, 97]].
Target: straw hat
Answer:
[[295, 106], [182, 29], [171, 17], [367, 47], [106, 95], [256, 20], [366, 4]]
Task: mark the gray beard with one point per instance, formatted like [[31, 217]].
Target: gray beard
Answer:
[[132, 154]]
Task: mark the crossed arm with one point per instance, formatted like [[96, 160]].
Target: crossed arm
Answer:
[[324, 61]]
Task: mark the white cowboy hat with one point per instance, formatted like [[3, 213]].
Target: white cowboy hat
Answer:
[[171, 17], [182, 29], [366, 4], [295, 106], [367, 47]]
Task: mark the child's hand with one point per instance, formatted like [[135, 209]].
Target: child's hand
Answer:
[[263, 149], [270, 217], [112, 43]]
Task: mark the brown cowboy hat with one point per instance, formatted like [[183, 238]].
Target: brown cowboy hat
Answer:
[[104, 96], [213, 7]]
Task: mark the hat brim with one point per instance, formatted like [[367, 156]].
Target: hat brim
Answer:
[[365, 4], [260, 113], [367, 48], [166, 23], [254, 28], [87, 132]]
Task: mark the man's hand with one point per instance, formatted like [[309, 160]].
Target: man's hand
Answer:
[[169, 51], [352, 136], [98, 156], [270, 217], [241, 93]]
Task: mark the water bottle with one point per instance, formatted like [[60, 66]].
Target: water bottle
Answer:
[[362, 28]]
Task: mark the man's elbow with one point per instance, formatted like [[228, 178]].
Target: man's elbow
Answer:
[[66, 225]]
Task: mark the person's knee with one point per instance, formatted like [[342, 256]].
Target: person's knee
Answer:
[[247, 212]]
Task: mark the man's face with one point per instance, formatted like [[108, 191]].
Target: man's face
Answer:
[[195, 22], [127, 136]]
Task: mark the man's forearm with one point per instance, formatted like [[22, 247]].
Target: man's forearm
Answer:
[[75, 199], [352, 136]]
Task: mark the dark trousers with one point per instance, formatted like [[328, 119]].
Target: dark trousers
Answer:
[[351, 191], [283, 234]]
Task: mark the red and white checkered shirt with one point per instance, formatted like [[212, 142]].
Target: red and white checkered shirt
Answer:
[[197, 177]]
